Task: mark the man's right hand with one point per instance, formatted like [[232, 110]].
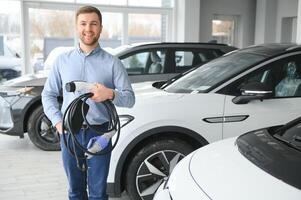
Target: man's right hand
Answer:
[[59, 127]]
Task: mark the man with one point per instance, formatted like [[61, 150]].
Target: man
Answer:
[[90, 63]]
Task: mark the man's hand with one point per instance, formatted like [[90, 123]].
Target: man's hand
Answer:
[[96, 144], [101, 93], [59, 127]]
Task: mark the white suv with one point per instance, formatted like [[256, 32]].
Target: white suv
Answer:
[[251, 88]]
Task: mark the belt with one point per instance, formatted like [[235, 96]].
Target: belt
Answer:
[[96, 126]]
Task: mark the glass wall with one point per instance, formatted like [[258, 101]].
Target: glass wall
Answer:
[[49, 29], [10, 42], [145, 28], [111, 35], [10, 20], [224, 29], [50, 23], [137, 3]]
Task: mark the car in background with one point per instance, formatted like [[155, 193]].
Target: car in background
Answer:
[[10, 63], [20, 98], [261, 164], [160, 61]]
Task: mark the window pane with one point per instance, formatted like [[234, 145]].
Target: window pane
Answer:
[[150, 62], [145, 28], [223, 31], [104, 2], [112, 30], [136, 63], [187, 59], [10, 42], [153, 3], [183, 59], [63, 1], [56, 30], [157, 62]]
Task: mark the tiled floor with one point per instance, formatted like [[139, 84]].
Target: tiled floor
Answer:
[[27, 173]]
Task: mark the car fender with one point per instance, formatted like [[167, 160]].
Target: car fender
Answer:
[[115, 189], [33, 104]]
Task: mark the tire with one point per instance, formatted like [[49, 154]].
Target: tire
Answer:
[[162, 155], [41, 132]]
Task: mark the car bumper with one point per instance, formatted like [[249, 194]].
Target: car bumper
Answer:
[[10, 116]]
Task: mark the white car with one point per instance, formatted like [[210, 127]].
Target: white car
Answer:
[[10, 62], [249, 89], [262, 164]]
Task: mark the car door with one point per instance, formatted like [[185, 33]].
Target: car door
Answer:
[[183, 59], [146, 65], [283, 106]]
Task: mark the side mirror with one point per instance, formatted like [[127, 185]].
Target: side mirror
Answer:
[[253, 91], [158, 84]]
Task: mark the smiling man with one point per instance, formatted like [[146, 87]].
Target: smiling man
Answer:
[[90, 63]]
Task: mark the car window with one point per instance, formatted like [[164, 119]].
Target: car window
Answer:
[[186, 59], [213, 73], [6, 51], [283, 76], [183, 59], [1, 47], [148, 62], [293, 133]]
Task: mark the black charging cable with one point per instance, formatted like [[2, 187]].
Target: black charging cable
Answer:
[[73, 119]]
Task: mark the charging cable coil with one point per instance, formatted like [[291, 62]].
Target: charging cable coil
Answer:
[[73, 119]]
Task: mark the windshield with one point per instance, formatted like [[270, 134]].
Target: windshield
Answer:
[[290, 134], [264, 149], [205, 77]]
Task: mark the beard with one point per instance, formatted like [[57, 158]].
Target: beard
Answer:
[[89, 42]]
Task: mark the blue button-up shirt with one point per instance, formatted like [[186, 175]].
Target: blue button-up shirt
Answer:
[[95, 67]]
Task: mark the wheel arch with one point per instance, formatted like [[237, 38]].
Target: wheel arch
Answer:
[[190, 137], [28, 111]]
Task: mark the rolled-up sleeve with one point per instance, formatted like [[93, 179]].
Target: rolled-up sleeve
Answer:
[[124, 94], [50, 94]]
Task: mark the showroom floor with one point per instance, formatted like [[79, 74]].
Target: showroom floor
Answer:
[[28, 173]]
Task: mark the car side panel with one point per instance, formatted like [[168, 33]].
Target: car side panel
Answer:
[[269, 112]]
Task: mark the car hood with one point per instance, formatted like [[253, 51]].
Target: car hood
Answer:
[[8, 62], [222, 172], [37, 79], [148, 96]]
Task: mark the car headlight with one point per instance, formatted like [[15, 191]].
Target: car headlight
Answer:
[[6, 121], [125, 119]]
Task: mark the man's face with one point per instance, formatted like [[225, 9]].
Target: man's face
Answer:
[[88, 28]]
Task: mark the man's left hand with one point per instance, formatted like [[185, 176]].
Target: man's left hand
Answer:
[[102, 93]]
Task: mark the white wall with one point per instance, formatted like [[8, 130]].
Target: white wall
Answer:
[[187, 21], [287, 8], [265, 23], [244, 9], [298, 31]]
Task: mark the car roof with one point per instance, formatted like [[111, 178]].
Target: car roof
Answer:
[[272, 49], [141, 46]]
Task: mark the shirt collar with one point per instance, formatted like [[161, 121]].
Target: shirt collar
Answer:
[[94, 51]]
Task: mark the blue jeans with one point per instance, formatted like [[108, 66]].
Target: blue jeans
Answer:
[[95, 176]]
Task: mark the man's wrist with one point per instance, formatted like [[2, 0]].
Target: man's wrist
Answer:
[[113, 95]]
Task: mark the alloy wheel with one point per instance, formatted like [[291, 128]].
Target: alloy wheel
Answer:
[[154, 170]]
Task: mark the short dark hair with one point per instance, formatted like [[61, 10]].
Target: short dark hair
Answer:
[[89, 9]]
